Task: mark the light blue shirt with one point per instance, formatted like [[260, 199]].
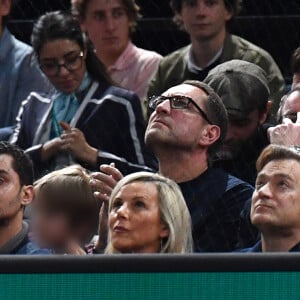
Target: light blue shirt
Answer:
[[19, 75]]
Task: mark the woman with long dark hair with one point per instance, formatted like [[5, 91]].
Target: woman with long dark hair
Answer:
[[88, 120]]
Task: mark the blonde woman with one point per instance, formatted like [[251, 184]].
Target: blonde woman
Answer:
[[147, 214]]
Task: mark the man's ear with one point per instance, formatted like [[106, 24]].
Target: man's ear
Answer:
[[228, 15], [264, 115], [210, 134], [27, 194]]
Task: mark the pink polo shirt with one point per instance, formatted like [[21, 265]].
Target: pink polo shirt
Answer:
[[134, 69]]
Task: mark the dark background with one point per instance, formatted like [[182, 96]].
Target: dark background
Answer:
[[272, 24]]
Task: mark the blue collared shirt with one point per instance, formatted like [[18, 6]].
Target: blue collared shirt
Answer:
[[19, 75]]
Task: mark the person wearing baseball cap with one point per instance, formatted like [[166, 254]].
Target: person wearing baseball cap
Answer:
[[244, 89]]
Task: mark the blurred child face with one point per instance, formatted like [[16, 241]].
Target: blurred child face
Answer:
[[51, 229], [134, 220]]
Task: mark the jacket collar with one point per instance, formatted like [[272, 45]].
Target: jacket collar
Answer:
[[6, 43]]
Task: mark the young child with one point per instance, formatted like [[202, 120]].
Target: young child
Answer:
[[65, 215]]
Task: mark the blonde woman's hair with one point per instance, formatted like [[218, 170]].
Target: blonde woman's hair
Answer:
[[173, 212], [68, 191]]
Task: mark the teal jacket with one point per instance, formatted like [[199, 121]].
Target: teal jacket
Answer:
[[173, 68]]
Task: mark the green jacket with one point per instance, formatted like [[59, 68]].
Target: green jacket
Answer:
[[173, 69]]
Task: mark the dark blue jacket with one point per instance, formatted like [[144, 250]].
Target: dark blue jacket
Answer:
[[110, 118], [258, 248], [215, 200]]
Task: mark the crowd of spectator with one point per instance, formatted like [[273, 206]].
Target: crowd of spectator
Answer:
[[109, 148]]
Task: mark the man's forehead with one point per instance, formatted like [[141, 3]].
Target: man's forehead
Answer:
[[185, 90], [288, 167], [5, 162]]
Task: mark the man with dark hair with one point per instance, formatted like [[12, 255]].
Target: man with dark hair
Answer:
[[295, 67], [205, 21], [275, 205], [109, 25], [16, 192], [243, 88], [187, 126], [19, 76]]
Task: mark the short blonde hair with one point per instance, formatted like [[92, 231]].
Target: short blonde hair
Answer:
[[173, 211], [68, 191]]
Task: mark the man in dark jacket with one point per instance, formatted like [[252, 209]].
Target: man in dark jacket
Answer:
[[275, 205]]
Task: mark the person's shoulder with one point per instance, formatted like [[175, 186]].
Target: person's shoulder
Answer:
[[30, 248], [119, 92], [233, 182], [174, 57], [146, 54], [253, 249], [19, 47], [248, 47], [116, 94]]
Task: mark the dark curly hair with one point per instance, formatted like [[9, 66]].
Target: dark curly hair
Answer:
[[21, 163], [233, 6]]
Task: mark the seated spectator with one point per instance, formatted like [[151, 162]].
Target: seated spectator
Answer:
[[275, 206], [295, 66], [243, 88], [88, 120], [186, 128], [211, 44], [65, 211], [19, 74], [287, 133], [109, 25], [16, 192], [148, 214]]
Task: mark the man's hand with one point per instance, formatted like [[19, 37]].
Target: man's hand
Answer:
[[287, 133], [74, 142]]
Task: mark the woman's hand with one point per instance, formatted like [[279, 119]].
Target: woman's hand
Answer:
[[51, 148], [74, 142], [104, 182]]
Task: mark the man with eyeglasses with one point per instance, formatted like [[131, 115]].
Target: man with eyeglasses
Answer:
[[187, 126]]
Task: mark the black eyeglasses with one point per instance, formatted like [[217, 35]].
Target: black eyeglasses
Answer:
[[72, 63], [177, 102]]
